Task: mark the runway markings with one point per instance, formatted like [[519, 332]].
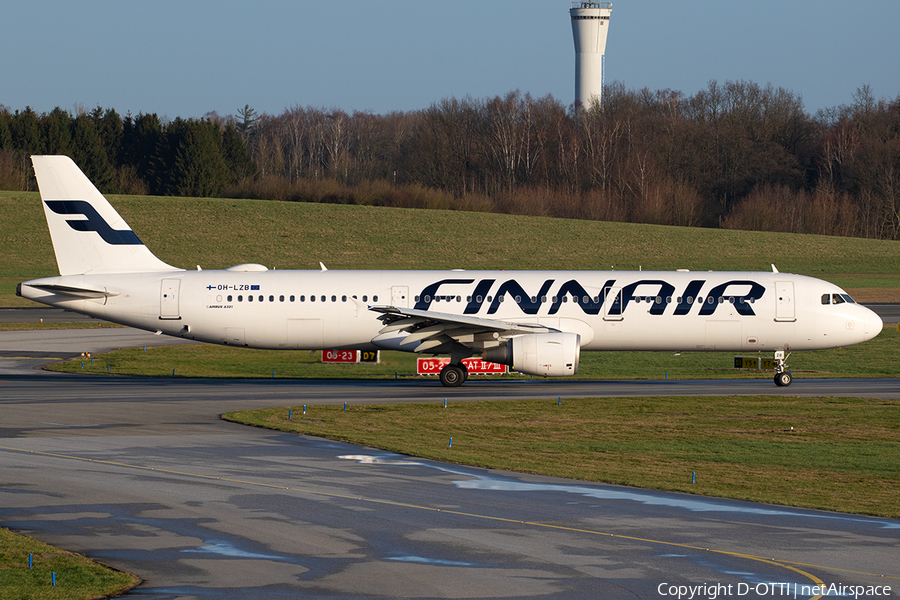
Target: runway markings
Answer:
[[785, 564]]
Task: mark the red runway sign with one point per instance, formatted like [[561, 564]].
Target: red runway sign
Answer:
[[476, 366], [340, 356]]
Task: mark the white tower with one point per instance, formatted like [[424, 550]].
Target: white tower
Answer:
[[590, 25]]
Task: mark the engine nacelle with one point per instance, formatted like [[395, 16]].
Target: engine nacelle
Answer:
[[546, 354]]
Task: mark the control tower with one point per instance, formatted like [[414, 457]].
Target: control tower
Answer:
[[590, 26]]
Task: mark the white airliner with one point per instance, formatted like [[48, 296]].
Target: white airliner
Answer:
[[537, 322]]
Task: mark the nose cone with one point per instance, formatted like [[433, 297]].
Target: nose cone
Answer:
[[872, 324]]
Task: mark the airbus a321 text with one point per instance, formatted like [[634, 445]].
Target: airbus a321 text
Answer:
[[536, 322]]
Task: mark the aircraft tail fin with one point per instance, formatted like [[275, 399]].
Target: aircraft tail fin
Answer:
[[88, 234]]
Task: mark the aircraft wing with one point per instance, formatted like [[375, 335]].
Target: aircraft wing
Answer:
[[435, 329]]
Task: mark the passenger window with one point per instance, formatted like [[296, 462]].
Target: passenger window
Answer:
[[260, 298], [229, 298], [240, 298], [249, 298], [334, 298], [343, 298], [323, 298], [312, 298], [292, 298], [272, 298], [374, 298], [366, 298]]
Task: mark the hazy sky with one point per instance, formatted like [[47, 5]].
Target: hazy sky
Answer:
[[190, 57]]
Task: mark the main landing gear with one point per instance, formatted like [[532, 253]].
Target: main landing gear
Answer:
[[454, 375], [782, 375]]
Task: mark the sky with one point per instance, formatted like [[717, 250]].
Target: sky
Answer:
[[187, 58]]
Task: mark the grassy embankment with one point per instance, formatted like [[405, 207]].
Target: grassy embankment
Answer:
[[76, 576], [215, 233]]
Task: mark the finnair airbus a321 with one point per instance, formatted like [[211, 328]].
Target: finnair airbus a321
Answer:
[[537, 322]]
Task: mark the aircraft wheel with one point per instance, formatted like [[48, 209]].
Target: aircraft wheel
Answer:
[[783, 379], [452, 376], [465, 371]]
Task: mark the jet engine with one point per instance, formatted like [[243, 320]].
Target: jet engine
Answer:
[[546, 354]]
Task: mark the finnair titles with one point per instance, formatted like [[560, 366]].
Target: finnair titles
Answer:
[[536, 322]]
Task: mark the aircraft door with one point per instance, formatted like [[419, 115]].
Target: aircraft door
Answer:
[[169, 299], [784, 298], [612, 305], [400, 296]]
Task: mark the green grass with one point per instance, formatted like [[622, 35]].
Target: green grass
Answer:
[[871, 359], [837, 454], [76, 576], [217, 233]]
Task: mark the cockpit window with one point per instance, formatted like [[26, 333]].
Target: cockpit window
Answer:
[[826, 298], [840, 299]]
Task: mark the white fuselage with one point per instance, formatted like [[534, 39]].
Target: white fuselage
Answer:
[[614, 310]]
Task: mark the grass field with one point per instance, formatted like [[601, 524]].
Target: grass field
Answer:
[[76, 576], [829, 453], [217, 233]]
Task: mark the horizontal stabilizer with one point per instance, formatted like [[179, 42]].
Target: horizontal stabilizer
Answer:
[[69, 290]]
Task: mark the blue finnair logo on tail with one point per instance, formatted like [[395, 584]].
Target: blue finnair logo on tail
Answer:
[[93, 221]]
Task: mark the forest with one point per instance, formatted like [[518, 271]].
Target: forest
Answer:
[[733, 155]]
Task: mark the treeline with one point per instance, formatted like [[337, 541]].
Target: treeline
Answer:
[[734, 155], [130, 155]]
